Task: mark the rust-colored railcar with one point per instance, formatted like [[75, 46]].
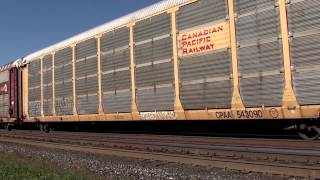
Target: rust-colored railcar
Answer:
[[183, 60], [9, 100]]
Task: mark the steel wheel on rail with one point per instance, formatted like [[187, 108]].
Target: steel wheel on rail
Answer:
[[308, 132], [9, 127]]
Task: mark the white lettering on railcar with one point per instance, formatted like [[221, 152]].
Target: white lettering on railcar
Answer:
[[3, 88], [164, 115]]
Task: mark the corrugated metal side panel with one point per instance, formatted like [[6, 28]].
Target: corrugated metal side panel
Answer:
[[307, 85], [4, 76], [116, 75], [201, 12], [260, 58], [262, 90], [154, 68], [304, 16], [4, 105], [153, 27], [115, 39], [259, 53], [248, 6], [153, 51], [156, 99], [47, 85], [211, 95], [4, 97], [63, 82], [305, 51], [87, 79], [261, 82], [304, 24], [258, 26], [117, 101], [34, 79], [205, 78], [206, 81]]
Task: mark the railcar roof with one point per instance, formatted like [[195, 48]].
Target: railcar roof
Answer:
[[122, 21], [7, 66]]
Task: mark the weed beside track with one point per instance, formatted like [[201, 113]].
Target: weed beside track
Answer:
[[14, 166]]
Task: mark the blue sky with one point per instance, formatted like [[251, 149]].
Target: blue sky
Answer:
[[29, 25]]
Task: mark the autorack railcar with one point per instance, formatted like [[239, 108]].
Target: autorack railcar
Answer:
[[184, 60]]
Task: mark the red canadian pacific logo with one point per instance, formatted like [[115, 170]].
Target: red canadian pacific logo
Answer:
[[204, 39], [3, 88]]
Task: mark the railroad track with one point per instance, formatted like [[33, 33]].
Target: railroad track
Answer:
[[281, 157]]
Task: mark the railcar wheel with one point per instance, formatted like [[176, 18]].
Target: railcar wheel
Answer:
[[308, 132], [41, 127], [9, 127], [46, 128]]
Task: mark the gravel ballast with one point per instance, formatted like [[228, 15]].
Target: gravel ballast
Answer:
[[112, 167]]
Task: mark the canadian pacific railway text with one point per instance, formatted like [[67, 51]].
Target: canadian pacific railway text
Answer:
[[200, 41], [204, 39]]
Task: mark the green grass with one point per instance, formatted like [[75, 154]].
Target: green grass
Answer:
[[14, 167]]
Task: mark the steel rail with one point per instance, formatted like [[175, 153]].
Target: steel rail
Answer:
[[105, 137], [190, 145], [273, 168], [201, 147]]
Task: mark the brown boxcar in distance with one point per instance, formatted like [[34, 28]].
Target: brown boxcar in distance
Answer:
[[9, 100]]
